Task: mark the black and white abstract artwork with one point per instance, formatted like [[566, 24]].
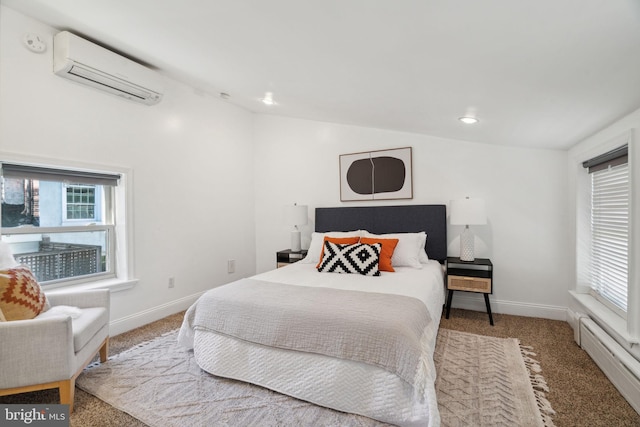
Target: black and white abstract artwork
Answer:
[[376, 175]]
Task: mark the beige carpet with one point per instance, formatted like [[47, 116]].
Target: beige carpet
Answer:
[[484, 381], [581, 394]]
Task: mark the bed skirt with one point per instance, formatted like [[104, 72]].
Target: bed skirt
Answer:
[[342, 385]]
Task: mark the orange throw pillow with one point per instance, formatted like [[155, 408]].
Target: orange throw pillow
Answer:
[[21, 297], [339, 241], [388, 246]]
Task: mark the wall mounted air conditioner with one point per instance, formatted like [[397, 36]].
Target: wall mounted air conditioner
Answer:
[[84, 62]]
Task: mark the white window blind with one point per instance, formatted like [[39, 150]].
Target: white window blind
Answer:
[[15, 170], [610, 234]]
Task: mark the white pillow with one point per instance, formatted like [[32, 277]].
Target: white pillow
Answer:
[[6, 257], [424, 258], [317, 239], [407, 252]]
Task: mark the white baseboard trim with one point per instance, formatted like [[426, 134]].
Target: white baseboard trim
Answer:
[[475, 302], [142, 318]]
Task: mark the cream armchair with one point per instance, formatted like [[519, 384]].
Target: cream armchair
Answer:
[[51, 351]]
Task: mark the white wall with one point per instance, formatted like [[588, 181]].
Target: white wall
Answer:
[[525, 192], [191, 157], [221, 164]]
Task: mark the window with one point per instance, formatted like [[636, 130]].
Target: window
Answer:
[[60, 222], [80, 202], [609, 254]]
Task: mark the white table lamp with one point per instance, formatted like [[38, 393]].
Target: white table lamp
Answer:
[[468, 212], [294, 216]]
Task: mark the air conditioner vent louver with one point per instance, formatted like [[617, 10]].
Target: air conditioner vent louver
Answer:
[[109, 84], [92, 65]]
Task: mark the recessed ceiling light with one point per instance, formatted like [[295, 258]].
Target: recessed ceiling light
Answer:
[[268, 99], [468, 120]]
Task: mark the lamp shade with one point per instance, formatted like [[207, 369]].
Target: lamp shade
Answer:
[[468, 212], [295, 215]]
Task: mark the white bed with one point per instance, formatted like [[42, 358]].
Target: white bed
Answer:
[[347, 385]]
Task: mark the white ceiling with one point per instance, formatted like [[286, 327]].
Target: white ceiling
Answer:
[[543, 73]]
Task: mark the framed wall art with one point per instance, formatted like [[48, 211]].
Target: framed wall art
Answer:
[[376, 175]]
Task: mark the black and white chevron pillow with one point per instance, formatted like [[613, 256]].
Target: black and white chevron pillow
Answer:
[[357, 258]]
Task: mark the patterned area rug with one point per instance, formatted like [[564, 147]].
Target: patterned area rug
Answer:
[[488, 381], [482, 381]]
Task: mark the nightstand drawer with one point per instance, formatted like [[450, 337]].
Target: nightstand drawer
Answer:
[[471, 284]]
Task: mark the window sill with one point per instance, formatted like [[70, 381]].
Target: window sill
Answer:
[[114, 285], [607, 318]]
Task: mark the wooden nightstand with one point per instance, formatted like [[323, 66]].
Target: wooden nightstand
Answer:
[[470, 276], [287, 257]]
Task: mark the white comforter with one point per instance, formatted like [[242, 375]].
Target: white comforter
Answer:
[[340, 384]]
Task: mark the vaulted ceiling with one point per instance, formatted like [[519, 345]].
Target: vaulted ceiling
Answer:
[[543, 73]]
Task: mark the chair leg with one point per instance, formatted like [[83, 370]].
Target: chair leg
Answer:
[[67, 391], [104, 351]]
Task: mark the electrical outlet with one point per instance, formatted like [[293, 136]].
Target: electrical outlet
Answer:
[[231, 266], [172, 282]]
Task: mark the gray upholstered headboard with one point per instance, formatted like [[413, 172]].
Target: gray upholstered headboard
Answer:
[[431, 219]]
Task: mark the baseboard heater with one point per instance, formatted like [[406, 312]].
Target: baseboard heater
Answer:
[[622, 369]]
